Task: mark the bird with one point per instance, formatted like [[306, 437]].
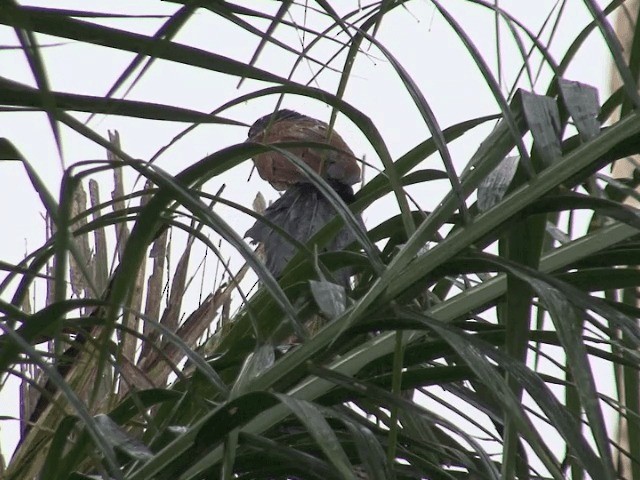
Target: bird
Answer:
[[302, 210]]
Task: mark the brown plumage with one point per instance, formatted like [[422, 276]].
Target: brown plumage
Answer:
[[288, 126]]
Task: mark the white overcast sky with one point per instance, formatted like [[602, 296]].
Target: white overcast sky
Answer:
[[419, 38]]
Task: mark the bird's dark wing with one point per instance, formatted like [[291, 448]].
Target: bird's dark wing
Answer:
[[301, 211]]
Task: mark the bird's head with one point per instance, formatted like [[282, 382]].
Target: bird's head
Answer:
[[263, 122]]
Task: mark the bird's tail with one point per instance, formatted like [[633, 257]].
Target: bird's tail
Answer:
[[301, 211]]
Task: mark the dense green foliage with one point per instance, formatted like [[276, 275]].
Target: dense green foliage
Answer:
[[466, 349]]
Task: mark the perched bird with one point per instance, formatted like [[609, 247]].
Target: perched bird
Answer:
[[302, 210]]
